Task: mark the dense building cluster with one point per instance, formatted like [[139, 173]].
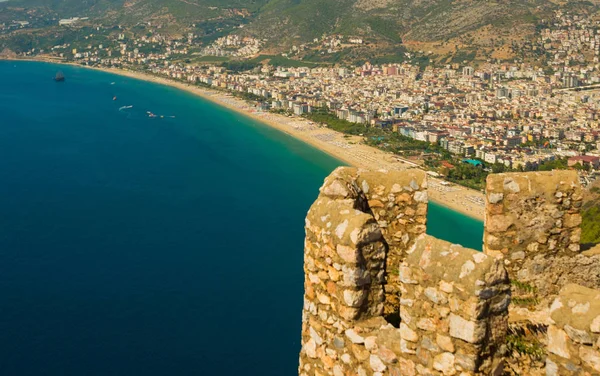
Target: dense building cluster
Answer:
[[511, 114], [233, 45], [572, 39]]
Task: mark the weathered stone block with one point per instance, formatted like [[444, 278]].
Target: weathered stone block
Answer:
[[348, 254], [354, 298], [407, 333], [444, 342], [557, 342], [469, 331], [499, 223], [387, 355], [590, 357], [572, 220], [577, 335], [376, 363], [354, 337], [494, 198], [444, 363], [468, 362], [435, 296], [310, 348], [595, 325], [576, 307], [427, 324]]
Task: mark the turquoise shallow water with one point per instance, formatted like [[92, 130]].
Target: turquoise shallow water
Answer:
[[454, 227], [158, 246]]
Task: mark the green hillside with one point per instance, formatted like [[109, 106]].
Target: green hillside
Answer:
[[184, 11], [469, 26]]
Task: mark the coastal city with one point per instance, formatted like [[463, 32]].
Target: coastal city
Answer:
[[457, 121]]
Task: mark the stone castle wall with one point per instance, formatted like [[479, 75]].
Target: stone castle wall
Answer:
[[383, 298], [360, 233], [393, 203], [574, 336], [454, 308], [530, 219]]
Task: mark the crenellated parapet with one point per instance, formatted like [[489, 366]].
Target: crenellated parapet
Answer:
[[532, 222], [454, 309], [393, 202], [364, 235], [536, 212], [345, 257], [383, 298]]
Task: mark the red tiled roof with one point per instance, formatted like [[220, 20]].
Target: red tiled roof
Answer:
[[585, 158]]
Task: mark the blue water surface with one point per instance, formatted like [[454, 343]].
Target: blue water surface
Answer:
[[139, 245]]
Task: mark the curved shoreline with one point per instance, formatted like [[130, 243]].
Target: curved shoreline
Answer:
[[347, 149]]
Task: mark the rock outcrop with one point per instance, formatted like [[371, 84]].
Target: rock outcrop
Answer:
[[7, 54]]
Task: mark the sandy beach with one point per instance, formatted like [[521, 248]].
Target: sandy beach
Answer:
[[348, 149]]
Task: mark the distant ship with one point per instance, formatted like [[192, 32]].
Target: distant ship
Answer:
[[60, 77]]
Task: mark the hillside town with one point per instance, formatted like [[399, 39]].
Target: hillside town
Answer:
[[232, 45]]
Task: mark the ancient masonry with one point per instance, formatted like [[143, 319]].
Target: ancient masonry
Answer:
[[383, 298], [532, 220]]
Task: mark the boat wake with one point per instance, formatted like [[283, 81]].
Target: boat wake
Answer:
[[125, 108], [153, 115]]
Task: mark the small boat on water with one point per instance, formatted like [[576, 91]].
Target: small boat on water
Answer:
[[114, 98], [60, 77]]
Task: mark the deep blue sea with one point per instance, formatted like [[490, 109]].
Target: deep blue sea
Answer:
[[132, 245]]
